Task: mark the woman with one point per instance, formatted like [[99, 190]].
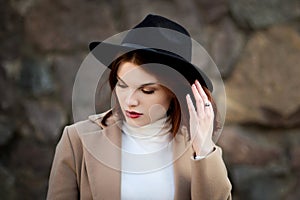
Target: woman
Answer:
[[155, 142]]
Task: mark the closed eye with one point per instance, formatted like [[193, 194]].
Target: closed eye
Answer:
[[121, 85], [148, 91]]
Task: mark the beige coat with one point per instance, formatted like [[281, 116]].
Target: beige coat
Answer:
[[86, 157]]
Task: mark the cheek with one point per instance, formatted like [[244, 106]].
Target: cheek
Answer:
[[166, 100], [161, 103], [157, 111], [119, 96]]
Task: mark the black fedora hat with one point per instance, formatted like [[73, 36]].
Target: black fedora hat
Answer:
[[164, 40]]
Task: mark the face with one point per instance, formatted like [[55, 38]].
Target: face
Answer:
[[142, 99]]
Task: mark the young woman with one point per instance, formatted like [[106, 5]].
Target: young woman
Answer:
[[156, 140]]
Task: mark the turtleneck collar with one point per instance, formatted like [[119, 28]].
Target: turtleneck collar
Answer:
[[156, 129]]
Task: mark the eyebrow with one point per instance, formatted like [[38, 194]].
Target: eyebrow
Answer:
[[143, 85]]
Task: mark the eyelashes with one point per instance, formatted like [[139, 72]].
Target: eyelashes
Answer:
[[148, 91], [123, 86]]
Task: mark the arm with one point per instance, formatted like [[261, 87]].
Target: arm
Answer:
[[63, 182], [209, 178]]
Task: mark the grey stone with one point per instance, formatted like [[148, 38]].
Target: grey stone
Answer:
[[294, 194], [30, 162], [244, 146], [262, 88], [8, 94], [293, 139], [22, 7], [262, 13], [227, 44], [253, 183], [65, 69], [35, 76], [47, 118], [7, 184], [68, 25], [10, 32], [6, 131], [212, 11]]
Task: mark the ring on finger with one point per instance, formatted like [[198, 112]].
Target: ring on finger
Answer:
[[207, 104]]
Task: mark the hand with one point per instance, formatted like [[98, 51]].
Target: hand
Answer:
[[201, 121]]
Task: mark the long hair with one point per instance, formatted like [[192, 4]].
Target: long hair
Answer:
[[173, 82]]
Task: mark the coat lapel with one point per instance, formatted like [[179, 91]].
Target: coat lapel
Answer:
[[102, 154]]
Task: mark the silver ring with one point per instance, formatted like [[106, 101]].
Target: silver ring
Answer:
[[207, 104]]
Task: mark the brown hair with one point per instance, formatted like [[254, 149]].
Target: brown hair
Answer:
[[178, 110]]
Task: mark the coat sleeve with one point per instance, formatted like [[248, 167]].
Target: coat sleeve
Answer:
[[209, 178], [62, 182]]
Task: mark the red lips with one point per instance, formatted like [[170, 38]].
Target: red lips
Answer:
[[133, 114]]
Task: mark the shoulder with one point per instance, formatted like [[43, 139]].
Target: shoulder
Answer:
[[79, 129]]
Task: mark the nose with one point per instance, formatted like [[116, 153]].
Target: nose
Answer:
[[132, 99]]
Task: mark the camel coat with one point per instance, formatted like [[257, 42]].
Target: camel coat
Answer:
[[87, 157]]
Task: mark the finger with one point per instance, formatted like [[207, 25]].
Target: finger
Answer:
[[199, 101], [190, 104], [193, 115], [201, 91], [207, 103]]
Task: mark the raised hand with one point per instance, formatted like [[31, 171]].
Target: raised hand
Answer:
[[201, 121]]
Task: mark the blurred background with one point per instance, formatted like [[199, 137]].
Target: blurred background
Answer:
[[255, 44]]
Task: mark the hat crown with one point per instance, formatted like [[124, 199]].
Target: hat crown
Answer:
[[162, 22], [158, 32]]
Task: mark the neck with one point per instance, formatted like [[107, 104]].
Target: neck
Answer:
[[158, 128]]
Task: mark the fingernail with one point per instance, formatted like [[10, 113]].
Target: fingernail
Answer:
[[188, 96]]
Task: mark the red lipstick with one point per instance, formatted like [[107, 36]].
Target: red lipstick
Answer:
[[133, 114]]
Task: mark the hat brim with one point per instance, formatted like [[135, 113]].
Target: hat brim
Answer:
[[106, 53]]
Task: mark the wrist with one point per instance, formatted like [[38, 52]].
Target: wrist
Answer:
[[204, 152]]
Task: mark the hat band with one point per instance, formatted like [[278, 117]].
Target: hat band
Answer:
[[137, 46], [134, 46]]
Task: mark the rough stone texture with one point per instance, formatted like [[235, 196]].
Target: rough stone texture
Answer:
[[65, 69], [10, 31], [251, 147], [212, 11], [7, 99], [262, 13], [294, 150], [227, 44], [7, 189], [253, 183], [68, 24], [295, 192], [263, 87], [40, 114], [35, 77], [6, 131], [22, 7], [295, 155], [31, 165]]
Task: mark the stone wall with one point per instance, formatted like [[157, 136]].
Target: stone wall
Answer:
[[256, 45]]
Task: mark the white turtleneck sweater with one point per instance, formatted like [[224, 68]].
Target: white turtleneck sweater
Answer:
[[145, 152]]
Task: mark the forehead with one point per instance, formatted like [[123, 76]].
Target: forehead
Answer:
[[131, 72]]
